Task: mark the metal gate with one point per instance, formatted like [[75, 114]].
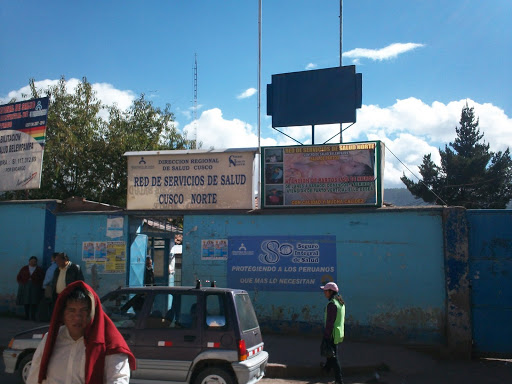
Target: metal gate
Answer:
[[137, 260], [490, 258]]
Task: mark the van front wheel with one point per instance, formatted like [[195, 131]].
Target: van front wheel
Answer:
[[24, 367], [214, 376]]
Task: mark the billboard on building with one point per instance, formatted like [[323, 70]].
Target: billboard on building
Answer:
[[193, 179], [22, 138], [281, 263], [322, 175]]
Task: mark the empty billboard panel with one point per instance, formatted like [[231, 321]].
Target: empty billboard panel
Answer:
[[323, 96]]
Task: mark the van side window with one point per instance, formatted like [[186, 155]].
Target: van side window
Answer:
[[172, 311], [124, 309], [161, 314], [215, 311], [187, 315]]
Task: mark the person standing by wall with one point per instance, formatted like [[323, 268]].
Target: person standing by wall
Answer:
[[30, 282], [82, 345], [65, 274], [149, 274], [47, 282], [334, 329]]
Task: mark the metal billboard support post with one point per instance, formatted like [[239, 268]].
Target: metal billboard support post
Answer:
[[341, 54], [259, 106]]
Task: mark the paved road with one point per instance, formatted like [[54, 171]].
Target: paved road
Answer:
[[7, 378], [476, 372], [405, 366], [442, 372]]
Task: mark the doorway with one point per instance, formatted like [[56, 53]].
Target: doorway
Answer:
[[160, 234]]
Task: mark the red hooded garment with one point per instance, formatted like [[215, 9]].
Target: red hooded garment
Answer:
[[101, 337]]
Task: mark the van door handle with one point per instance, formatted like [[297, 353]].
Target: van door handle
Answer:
[[189, 338]]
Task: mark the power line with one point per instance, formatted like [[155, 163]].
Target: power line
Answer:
[[412, 173]]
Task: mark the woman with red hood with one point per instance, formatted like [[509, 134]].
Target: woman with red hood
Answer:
[[82, 346]]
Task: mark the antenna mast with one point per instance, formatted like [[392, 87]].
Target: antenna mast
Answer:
[[194, 145]]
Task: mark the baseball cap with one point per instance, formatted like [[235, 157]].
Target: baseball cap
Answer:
[[332, 286]]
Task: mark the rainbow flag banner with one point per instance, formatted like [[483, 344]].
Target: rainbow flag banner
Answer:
[[38, 133], [22, 139]]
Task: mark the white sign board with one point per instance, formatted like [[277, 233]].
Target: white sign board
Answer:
[[22, 138], [190, 180], [21, 157]]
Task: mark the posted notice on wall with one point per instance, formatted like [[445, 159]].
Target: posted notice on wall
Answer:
[[190, 180], [214, 249], [115, 225], [281, 263], [105, 256]]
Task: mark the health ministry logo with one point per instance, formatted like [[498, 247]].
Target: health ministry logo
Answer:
[[273, 250], [242, 251], [142, 164], [236, 160]]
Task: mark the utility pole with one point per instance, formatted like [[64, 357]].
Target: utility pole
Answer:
[[341, 31], [195, 102]]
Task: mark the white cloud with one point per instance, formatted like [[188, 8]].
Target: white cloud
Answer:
[[189, 112], [247, 93], [311, 66], [215, 131], [104, 91], [110, 96], [409, 128], [386, 53], [24, 92]]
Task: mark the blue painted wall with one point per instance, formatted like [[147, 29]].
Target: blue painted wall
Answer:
[[404, 273], [26, 229], [490, 253], [390, 270], [74, 229]]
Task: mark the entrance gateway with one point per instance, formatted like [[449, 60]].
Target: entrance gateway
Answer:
[[163, 185], [160, 239]]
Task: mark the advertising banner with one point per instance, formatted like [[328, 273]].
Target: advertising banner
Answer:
[[22, 137], [281, 263], [322, 175], [175, 180]]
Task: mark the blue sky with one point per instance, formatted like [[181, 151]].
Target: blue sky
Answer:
[[421, 61]]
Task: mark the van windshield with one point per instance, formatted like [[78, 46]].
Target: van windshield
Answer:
[[246, 315]]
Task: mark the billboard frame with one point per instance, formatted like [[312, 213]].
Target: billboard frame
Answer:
[[319, 185]]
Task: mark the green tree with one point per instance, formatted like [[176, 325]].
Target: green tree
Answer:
[[84, 152], [141, 128], [469, 175]]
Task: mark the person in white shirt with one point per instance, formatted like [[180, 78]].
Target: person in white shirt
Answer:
[[82, 346], [47, 283]]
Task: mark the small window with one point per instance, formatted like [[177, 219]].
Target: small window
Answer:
[[186, 317], [215, 313], [124, 309], [246, 315], [161, 314], [172, 311]]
